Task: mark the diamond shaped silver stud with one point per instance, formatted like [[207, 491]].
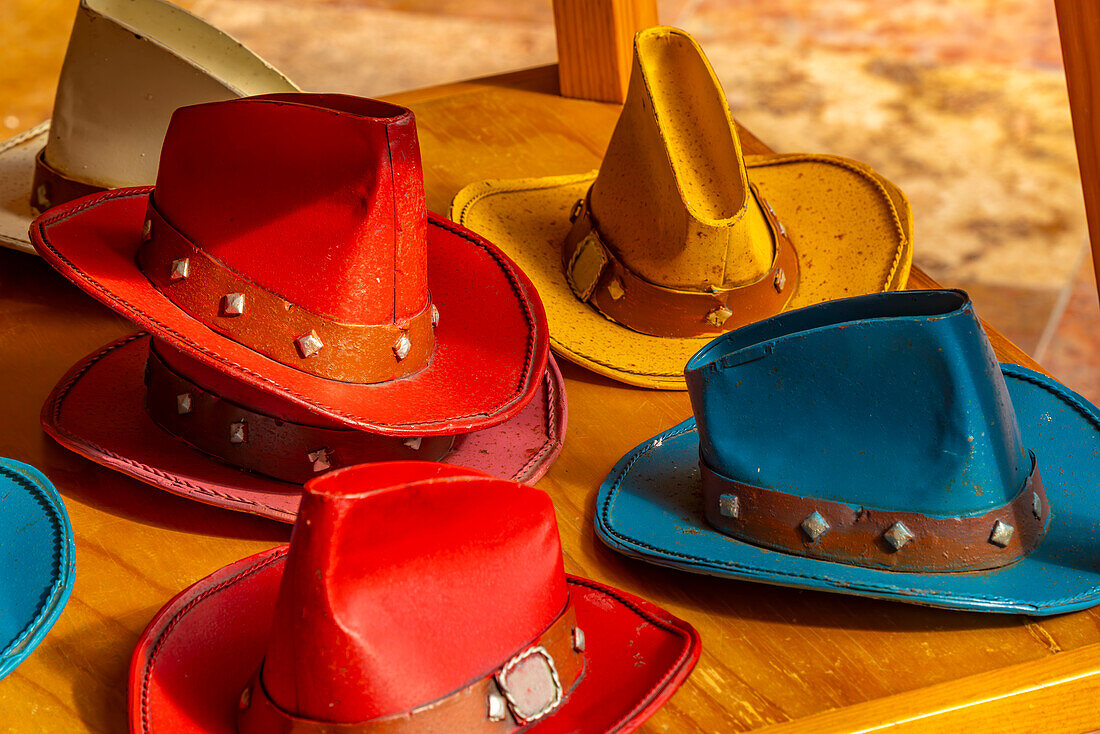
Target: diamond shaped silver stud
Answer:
[[401, 347], [898, 535], [183, 403], [147, 230], [180, 269], [575, 212], [615, 289], [413, 442], [233, 304], [1036, 506], [814, 525], [729, 505], [1002, 534], [320, 460], [435, 316], [780, 281], [308, 344], [498, 707], [719, 316], [238, 432], [578, 639]]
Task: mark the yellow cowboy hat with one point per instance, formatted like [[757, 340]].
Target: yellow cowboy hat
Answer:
[[679, 237]]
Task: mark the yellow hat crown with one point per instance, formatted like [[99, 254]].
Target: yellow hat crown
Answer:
[[672, 198]]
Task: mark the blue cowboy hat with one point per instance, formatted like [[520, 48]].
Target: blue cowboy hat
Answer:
[[872, 446], [37, 553]]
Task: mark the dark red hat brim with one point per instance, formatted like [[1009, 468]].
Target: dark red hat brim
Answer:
[[196, 656], [491, 341], [98, 411]]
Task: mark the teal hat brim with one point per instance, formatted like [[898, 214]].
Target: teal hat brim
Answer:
[[650, 507], [38, 558]]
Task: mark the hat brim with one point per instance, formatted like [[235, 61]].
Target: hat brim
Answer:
[[853, 231], [490, 350], [650, 507], [37, 551], [17, 156], [198, 654], [98, 411]]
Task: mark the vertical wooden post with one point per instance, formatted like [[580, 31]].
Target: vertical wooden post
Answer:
[[595, 45], [1079, 30]]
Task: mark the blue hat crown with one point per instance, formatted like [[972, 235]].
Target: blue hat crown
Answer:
[[894, 401]]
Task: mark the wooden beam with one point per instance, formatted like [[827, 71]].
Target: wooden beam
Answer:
[[1079, 29], [595, 45], [1057, 694]]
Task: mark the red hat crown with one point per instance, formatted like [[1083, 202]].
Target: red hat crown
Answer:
[[296, 224], [407, 582]]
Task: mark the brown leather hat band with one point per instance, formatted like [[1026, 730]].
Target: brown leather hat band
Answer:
[[246, 313], [598, 277], [528, 687], [52, 188], [876, 538], [249, 440]]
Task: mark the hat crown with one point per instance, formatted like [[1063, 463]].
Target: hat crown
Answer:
[[318, 199], [405, 582], [129, 65], [894, 401], [672, 197]]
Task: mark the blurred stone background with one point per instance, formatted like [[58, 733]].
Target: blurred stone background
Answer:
[[961, 102]]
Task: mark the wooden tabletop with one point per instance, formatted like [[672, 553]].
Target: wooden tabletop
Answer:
[[773, 657]]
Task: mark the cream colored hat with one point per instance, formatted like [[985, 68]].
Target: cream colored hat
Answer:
[[129, 66], [679, 236]]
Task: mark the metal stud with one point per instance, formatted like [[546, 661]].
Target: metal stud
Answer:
[[1036, 506], [183, 403], [413, 442], [238, 432], [615, 289], [780, 281], [578, 639], [815, 525], [729, 505], [246, 699], [898, 535], [775, 217], [1002, 534], [435, 316], [180, 269], [719, 316], [321, 460], [575, 212], [498, 707], [147, 230], [401, 347], [233, 304], [42, 197], [308, 344]]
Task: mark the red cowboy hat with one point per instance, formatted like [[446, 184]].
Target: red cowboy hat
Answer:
[[145, 409], [287, 244], [413, 597]]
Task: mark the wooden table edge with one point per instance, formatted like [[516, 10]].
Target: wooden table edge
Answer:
[[1058, 693]]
